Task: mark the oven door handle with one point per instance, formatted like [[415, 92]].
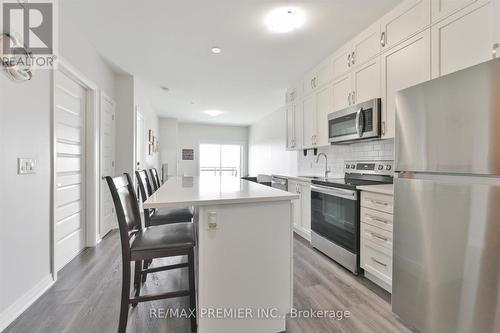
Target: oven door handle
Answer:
[[336, 192]]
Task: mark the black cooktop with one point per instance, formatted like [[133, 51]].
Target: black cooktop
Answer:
[[351, 183]]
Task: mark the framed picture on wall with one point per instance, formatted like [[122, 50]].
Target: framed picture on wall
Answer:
[[188, 154]]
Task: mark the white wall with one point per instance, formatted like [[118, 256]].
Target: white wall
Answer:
[[267, 147], [189, 136], [151, 120], [337, 155], [25, 118], [24, 200], [168, 143], [125, 124]]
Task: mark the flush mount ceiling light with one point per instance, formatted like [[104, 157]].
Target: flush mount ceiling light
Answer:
[[213, 113], [285, 19], [164, 88], [216, 50]]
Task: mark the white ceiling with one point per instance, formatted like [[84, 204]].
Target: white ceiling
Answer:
[[168, 43]]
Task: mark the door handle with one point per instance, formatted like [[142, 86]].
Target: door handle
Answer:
[[383, 39], [349, 60], [353, 97], [353, 58], [349, 99], [495, 50], [379, 262], [379, 237]]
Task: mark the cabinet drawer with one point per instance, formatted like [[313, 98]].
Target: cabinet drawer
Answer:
[[376, 260], [377, 201], [377, 218], [377, 235]]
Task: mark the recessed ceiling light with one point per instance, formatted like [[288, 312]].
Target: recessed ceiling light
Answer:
[[285, 19], [216, 50], [213, 113]]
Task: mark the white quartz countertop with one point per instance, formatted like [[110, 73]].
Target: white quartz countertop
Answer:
[[212, 190], [383, 189]]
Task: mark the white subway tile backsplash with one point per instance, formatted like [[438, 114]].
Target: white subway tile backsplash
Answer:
[[337, 155]]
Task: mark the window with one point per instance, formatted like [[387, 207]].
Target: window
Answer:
[[220, 160]]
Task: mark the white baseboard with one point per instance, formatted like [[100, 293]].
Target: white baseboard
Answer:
[[306, 234], [20, 305]]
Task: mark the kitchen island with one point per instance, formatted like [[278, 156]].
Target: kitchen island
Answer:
[[244, 251]]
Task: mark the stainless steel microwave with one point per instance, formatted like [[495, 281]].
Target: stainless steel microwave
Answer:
[[357, 123]]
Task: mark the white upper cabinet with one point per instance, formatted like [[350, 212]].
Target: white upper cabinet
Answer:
[[444, 8], [342, 61], [324, 72], [294, 93], [324, 105], [292, 119], [319, 76], [366, 45], [342, 91], [463, 39], [310, 82], [309, 121], [366, 81], [404, 21], [403, 66]]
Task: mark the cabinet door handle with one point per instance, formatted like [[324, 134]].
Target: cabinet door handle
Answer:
[[374, 218], [349, 99], [353, 97], [349, 60], [383, 128], [383, 39], [353, 58], [379, 262], [379, 237], [381, 203], [314, 83]]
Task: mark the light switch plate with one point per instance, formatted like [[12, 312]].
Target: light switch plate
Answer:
[[26, 166]]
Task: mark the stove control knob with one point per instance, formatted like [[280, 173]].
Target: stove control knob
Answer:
[[380, 167], [353, 166], [388, 167], [347, 166]]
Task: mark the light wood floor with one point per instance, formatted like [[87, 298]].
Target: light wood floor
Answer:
[[86, 297]]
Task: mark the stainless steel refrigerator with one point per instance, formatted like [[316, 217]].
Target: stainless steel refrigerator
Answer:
[[446, 266]]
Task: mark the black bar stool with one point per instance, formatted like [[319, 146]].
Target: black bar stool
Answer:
[[140, 244], [159, 216], [155, 180]]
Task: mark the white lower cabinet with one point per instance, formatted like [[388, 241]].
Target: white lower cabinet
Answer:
[[377, 238], [301, 208], [463, 39]]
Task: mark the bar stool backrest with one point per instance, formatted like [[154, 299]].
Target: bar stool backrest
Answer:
[[127, 208], [155, 180]]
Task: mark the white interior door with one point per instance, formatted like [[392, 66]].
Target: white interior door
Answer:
[[108, 215], [140, 153], [69, 119]]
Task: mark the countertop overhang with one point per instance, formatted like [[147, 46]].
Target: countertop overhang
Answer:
[[213, 190]]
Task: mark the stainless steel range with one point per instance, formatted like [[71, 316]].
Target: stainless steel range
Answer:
[[335, 226]]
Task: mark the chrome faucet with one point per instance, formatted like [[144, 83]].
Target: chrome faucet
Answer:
[[327, 171]]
